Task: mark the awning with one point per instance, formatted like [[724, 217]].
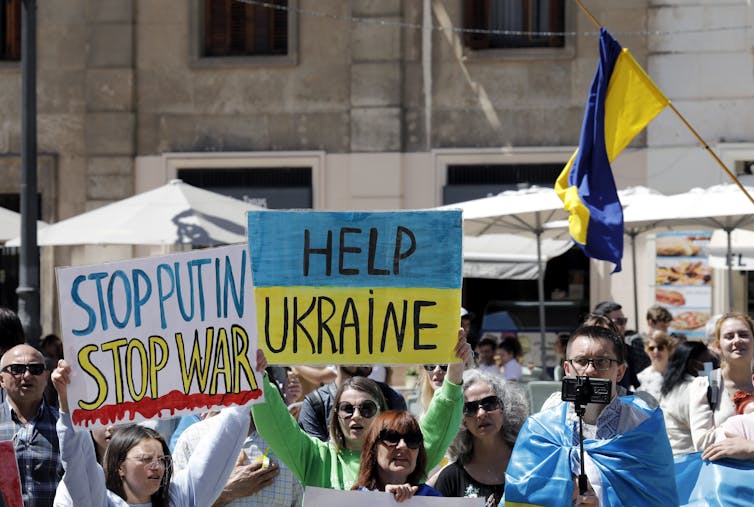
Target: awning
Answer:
[[742, 250], [507, 256]]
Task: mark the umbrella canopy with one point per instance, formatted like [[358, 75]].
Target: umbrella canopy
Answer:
[[175, 213], [723, 207], [507, 256], [10, 224], [516, 211]]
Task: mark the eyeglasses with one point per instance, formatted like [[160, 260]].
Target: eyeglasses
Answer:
[[599, 363], [17, 370], [658, 348], [392, 438], [488, 404], [163, 462], [367, 409], [620, 321], [431, 367]]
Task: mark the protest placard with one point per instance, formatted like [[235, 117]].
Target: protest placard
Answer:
[[10, 482], [321, 497], [357, 287], [159, 337]]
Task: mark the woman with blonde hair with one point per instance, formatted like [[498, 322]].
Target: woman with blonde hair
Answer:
[[659, 346], [711, 396]]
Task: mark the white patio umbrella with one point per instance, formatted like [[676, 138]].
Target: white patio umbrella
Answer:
[[175, 213], [723, 207], [516, 211], [10, 224]]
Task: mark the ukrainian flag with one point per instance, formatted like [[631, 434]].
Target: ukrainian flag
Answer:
[[622, 101]]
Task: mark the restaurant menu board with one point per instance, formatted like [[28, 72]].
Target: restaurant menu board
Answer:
[[683, 280]]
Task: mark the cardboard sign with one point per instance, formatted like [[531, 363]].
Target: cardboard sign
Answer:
[[159, 337], [10, 481], [357, 287], [321, 497]]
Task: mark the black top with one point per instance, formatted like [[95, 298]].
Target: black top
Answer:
[[455, 481]]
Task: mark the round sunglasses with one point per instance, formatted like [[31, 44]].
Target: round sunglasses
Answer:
[[367, 409]]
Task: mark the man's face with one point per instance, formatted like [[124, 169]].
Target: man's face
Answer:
[[486, 354], [583, 348], [23, 386], [619, 320]]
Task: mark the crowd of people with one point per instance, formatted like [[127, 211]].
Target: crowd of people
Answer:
[[471, 434]]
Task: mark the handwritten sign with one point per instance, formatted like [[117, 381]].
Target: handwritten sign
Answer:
[[10, 482], [321, 497], [357, 287], [159, 337]]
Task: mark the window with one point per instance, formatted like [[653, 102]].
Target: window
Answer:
[[236, 28], [472, 181], [513, 16], [10, 30]]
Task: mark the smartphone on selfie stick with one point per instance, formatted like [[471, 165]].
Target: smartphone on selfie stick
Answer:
[[580, 391]]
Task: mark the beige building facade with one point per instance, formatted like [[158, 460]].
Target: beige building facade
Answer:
[[376, 99]]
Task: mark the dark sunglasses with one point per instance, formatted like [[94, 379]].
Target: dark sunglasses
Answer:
[[652, 348], [489, 404], [620, 321], [367, 409], [35, 369], [431, 367], [392, 438]]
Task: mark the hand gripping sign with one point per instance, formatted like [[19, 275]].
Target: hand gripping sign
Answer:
[[159, 337], [357, 287]]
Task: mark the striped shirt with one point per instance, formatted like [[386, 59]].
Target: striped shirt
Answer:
[[37, 452]]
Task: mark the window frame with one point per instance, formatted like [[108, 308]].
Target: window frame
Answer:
[[567, 51], [10, 46], [197, 30]]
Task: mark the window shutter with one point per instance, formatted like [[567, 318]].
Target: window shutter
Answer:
[[216, 27], [11, 42], [279, 39], [557, 23], [476, 17]]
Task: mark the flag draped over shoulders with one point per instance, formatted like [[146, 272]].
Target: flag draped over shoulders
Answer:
[[636, 467], [622, 101]]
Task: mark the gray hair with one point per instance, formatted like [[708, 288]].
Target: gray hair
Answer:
[[515, 411]]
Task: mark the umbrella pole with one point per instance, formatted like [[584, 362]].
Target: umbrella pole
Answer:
[[632, 235], [729, 262], [541, 296]]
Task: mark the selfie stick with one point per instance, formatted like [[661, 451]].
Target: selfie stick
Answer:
[[580, 411]]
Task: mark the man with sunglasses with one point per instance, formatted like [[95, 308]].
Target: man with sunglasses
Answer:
[[29, 422], [627, 455]]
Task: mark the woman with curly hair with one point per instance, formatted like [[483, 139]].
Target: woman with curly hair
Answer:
[[393, 457], [493, 412]]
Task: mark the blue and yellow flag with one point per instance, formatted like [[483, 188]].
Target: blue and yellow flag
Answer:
[[622, 102], [723, 483]]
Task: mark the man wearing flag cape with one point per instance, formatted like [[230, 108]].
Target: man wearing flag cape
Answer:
[[627, 455]]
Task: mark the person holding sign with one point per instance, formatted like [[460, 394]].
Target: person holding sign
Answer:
[[393, 458], [137, 465], [335, 464]]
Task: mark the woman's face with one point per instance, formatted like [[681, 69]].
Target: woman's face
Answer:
[[355, 425], [102, 437], [736, 340], [436, 376], [659, 355], [142, 470], [482, 424], [396, 461]]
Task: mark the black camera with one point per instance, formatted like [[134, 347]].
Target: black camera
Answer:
[[583, 390]]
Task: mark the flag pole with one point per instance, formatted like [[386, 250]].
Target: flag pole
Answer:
[[684, 121]]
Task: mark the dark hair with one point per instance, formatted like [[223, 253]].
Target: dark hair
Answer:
[[658, 313], [363, 384], [511, 345], [123, 441], [600, 333], [605, 307], [11, 330], [515, 407], [487, 341], [398, 420], [53, 339], [594, 319], [679, 362]]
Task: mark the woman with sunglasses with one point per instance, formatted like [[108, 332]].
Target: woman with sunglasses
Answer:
[[493, 412], [659, 346], [393, 457], [711, 396], [335, 464], [432, 378], [137, 465]]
